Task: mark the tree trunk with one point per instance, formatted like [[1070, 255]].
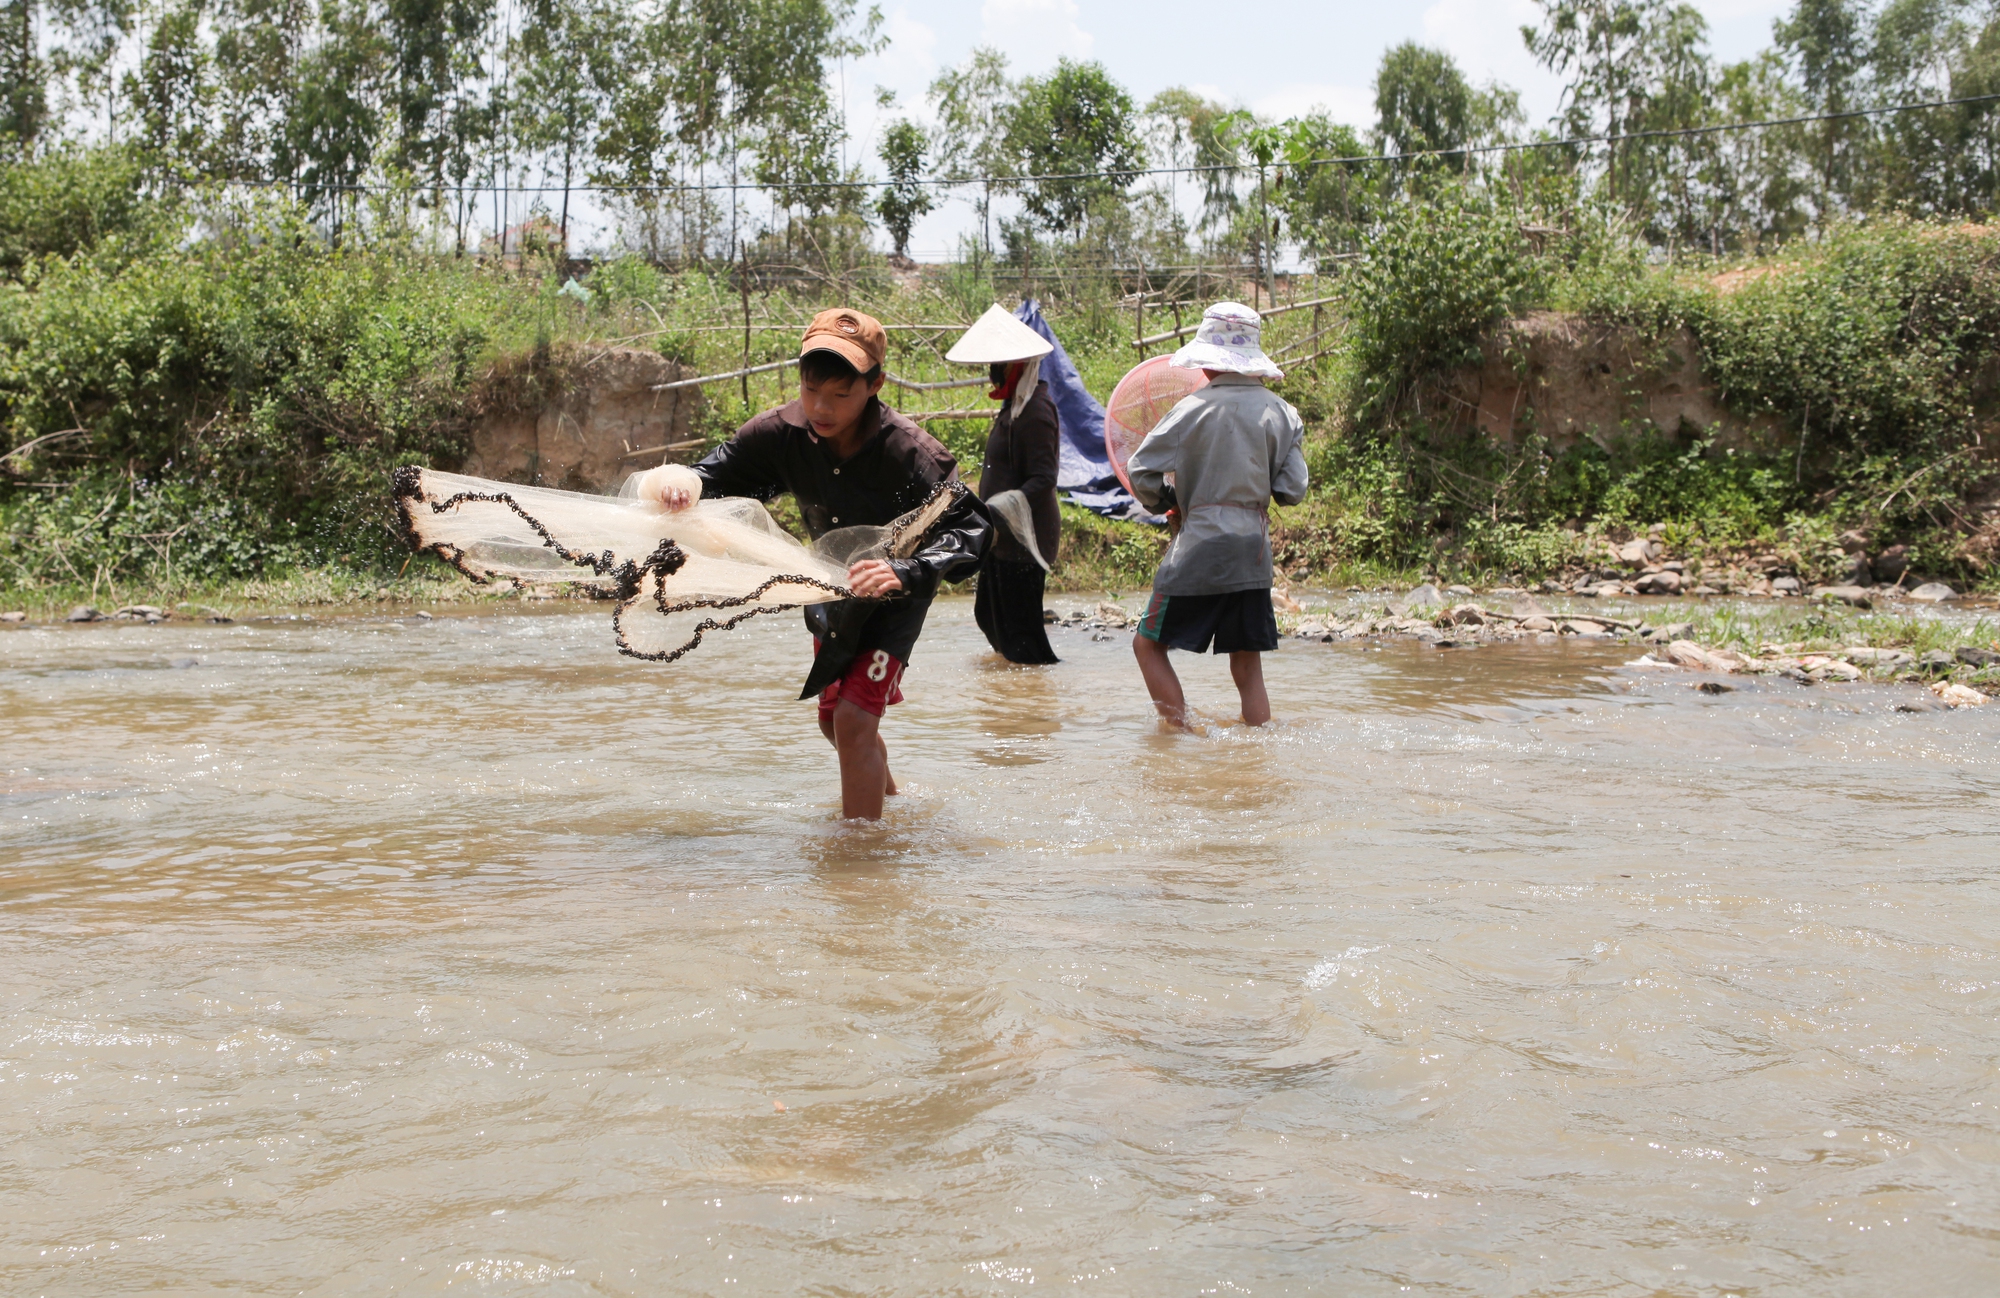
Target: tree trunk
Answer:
[[569, 169]]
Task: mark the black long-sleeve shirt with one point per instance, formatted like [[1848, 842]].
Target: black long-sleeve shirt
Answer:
[[896, 469], [1021, 455]]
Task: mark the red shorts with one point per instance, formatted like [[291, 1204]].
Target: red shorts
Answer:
[[871, 682]]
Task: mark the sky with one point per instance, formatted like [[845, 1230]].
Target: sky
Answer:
[[1276, 57]]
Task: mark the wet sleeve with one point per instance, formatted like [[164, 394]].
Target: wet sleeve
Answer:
[[1035, 453], [1288, 484], [955, 546], [1155, 459], [745, 465]]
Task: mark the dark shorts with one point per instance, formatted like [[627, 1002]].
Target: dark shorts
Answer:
[[871, 682], [1239, 622]]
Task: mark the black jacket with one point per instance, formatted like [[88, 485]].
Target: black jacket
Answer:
[[896, 469], [1021, 455]]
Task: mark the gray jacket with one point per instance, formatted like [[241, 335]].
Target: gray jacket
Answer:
[[1233, 447]]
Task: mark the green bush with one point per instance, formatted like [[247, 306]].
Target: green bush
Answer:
[[74, 200], [1436, 277], [264, 390], [1865, 360]]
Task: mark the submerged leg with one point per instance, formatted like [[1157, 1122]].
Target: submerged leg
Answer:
[[826, 728], [1161, 681], [1247, 668], [864, 762]]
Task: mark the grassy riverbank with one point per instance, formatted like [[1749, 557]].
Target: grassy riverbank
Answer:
[[207, 398]]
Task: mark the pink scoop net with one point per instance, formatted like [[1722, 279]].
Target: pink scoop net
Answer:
[[1139, 402]]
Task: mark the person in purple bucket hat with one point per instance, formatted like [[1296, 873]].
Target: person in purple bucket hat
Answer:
[[1230, 449]]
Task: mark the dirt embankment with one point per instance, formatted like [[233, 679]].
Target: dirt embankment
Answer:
[[581, 418], [1567, 378]]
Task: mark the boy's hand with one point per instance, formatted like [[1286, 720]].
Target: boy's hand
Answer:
[[873, 579], [674, 485]]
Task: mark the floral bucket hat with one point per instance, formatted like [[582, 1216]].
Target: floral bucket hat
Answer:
[[1227, 341]]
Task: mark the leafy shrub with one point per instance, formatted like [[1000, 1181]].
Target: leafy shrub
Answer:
[[70, 201], [625, 279], [1867, 357], [1437, 275], [1872, 343], [279, 380]]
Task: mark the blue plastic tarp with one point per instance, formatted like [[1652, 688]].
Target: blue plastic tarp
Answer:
[[1083, 470]]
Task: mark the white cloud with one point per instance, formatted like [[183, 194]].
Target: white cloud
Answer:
[[1033, 34], [911, 58], [1485, 37], [1726, 11], [907, 68], [1354, 105]]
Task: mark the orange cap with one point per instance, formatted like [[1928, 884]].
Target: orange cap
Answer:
[[858, 339]]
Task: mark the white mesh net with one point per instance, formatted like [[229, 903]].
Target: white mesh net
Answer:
[[717, 556]]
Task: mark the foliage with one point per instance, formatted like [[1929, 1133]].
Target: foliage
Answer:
[[229, 407], [1866, 361], [1424, 104], [971, 104], [1436, 276], [906, 198], [70, 200], [1072, 132], [1327, 210], [710, 126]]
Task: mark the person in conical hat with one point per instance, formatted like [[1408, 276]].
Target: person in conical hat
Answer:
[[1017, 482], [1232, 448]]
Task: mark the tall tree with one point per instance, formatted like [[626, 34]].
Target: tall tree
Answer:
[[636, 150], [1978, 75], [1075, 133], [259, 47], [1759, 194], [1424, 105], [336, 114], [1326, 207], [56, 57], [1600, 46], [1192, 130], [906, 197], [1919, 51], [559, 88], [172, 91], [1826, 42], [23, 90], [750, 85], [972, 102], [438, 117], [1670, 175]]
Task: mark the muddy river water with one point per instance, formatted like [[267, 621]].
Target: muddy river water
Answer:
[[384, 955]]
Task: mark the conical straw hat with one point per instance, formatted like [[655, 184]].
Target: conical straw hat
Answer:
[[997, 337]]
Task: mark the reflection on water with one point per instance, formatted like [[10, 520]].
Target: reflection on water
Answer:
[[379, 955]]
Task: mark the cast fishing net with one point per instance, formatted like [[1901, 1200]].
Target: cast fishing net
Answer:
[[1139, 402], [724, 555]]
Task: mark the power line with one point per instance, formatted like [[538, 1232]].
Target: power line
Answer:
[[1134, 173]]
